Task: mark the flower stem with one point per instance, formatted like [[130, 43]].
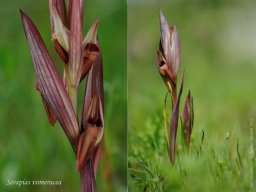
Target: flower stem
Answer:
[[166, 124], [72, 91], [174, 97], [87, 178]]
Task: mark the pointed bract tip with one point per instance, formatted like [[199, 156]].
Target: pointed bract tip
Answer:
[[161, 14], [182, 82], [91, 36], [25, 18], [97, 21], [95, 27], [60, 32], [21, 12], [162, 17], [189, 95]]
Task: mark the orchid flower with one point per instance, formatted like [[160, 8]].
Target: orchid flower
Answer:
[[168, 56], [168, 63]]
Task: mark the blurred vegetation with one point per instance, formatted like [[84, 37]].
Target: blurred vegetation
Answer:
[[30, 149], [218, 53]]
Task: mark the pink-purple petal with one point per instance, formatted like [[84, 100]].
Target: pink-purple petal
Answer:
[[50, 85], [75, 43]]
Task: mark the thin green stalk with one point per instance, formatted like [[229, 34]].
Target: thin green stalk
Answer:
[[72, 91], [167, 129]]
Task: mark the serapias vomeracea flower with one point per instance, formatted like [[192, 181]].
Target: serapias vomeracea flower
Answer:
[[168, 56], [59, 95]]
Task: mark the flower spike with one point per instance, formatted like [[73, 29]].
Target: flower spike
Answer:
[[170, 45], [168, 56], [59, 96]]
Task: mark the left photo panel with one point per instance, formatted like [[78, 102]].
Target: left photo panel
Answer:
[[63, 93]]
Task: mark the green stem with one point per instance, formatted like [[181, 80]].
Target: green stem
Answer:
[[167, 129], [72, 91]]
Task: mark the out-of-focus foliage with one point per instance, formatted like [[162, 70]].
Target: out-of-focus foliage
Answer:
[[30, 149], [218, 53]]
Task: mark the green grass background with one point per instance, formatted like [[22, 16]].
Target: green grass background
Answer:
[[30, 149], [218, 52]]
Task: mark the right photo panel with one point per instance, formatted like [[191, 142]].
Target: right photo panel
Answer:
[[191, 95]]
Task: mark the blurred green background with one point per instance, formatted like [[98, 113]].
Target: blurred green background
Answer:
[[218, 51], [30, 149]]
